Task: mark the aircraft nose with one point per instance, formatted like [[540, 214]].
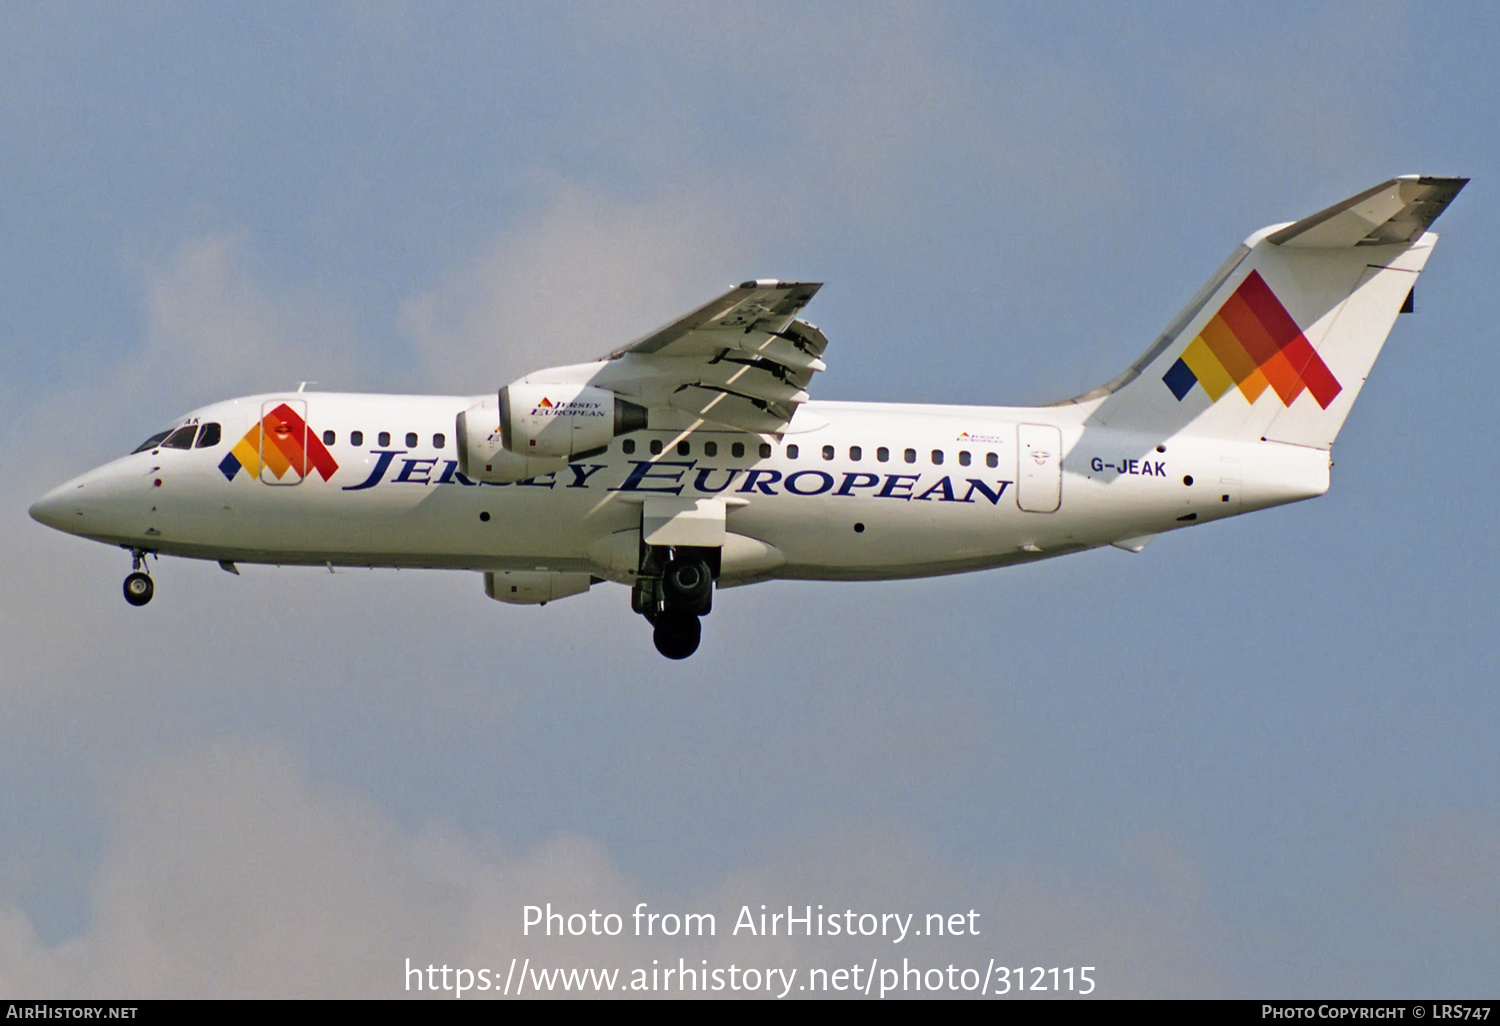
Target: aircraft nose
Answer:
[[51, 509], [61, 508]]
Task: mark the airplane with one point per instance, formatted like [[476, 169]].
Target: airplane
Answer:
[[693, 459]]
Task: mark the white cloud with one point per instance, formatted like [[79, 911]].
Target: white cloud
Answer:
[[214, 324], [585, 275], [216, 327], [230, 873], [1447, 861], [864, 117]]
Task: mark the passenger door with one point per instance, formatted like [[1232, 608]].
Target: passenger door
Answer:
[[283, 442]]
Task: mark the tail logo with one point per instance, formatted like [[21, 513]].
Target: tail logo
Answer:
[[1252, 344], [280, 442]]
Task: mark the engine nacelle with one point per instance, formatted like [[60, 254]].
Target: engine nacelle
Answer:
[[533, 587], [482, 457], [551, 421]]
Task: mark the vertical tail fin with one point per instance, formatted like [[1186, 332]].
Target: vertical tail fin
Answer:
[[1279, 342]]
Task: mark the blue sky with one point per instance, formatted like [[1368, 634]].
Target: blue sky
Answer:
[[1256, 759]]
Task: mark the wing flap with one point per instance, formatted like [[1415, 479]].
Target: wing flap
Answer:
[[769, 383], [742, 360], [782, 350], [731, 410]]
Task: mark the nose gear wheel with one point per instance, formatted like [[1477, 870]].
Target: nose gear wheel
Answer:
[[139, 589]]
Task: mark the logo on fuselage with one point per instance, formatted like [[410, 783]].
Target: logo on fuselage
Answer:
[[281, 442], [574, 408], [679, 477]]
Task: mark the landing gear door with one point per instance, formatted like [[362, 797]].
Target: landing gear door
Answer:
[[670, 520], [283, 442], [1038, 468]]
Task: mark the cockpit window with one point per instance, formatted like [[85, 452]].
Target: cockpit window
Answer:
[[182, 438], [209, 436], [151, 443]]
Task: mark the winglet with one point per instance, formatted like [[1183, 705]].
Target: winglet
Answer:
[[1397, 211]]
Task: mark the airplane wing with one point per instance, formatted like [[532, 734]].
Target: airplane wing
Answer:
[[743, 360]]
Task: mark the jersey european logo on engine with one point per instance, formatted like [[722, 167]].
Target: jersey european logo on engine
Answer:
[[1252, 343], [279, 443]]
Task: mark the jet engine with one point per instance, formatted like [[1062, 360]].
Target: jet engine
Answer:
[[563, 420], [482, 457], [528, 430]]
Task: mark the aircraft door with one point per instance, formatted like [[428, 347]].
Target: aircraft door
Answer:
[[283, 441], [1038, 468]]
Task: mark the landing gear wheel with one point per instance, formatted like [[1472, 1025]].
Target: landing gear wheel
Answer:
[[138, 589], [677, 636], [689, 586]]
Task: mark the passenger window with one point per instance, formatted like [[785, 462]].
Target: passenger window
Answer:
[[910, 455], [209, 436], [151, 443], [963, 458], [384, 438], [856, 453], [792, 451], [656, 446], [182, 438], [356, 438], [991, 460], [439, 440], [765, 450], [328, 437], [883, 454], [411, 439], [712, 448], [937, 457], [737, 450], [628, 446], [684, 449], [828, 452]]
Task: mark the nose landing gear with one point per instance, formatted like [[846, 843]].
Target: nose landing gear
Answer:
[[138, 586], [138, 589]]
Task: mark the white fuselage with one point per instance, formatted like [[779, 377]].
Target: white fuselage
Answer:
[[851, 491]]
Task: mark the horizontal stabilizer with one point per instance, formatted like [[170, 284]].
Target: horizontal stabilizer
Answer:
[[1397, 211]]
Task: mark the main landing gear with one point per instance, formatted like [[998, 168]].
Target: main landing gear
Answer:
[[675, 588], [138, 586], [677, 635]]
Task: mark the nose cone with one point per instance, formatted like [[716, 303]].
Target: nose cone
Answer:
[[57, 508], [109, 503]]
